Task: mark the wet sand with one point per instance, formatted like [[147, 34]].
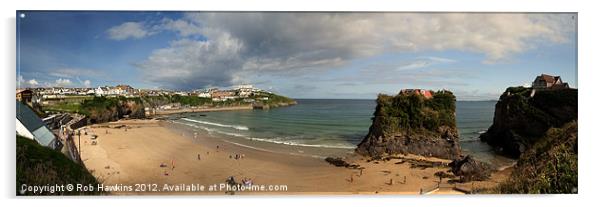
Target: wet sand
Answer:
[[133, 156]]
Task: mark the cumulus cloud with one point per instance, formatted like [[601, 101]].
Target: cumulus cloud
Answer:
[[135, 30], [238, 44], [188, 63], [33, 82], [23, 83]]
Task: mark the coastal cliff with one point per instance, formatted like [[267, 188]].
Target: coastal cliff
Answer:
[[549, 166], [100, 109], [415, 123], [522, 117]]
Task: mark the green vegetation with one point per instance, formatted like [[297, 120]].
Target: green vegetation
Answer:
[[273, 99], [71, 98], [550, 166], [416, 111], [551, 108], [38, 165], [90, 105], [72, 107], [101, 104]]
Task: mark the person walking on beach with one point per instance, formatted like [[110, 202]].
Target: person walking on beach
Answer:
[[198, 156], [173, 165]]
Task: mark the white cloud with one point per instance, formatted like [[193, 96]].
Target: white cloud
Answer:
[[127, 30], [423, 62], [62, 82], [22, 83], [87, 83], [84, 83], [33, 82], [182, 27], [239, 44]]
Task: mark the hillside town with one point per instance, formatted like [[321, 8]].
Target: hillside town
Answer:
[[54, 117], [44, 96]]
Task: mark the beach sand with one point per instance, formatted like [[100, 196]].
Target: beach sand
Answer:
[[129, 157]]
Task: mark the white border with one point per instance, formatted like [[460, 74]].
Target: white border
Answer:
[[589, 68]]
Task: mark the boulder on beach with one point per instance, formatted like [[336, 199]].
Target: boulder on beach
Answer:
[[339, 162], [469, 169], [415, 121]]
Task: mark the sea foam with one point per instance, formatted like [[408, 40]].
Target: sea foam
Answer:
[[239, 127]]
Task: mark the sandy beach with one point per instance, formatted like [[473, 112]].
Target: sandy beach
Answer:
[[131, 152]]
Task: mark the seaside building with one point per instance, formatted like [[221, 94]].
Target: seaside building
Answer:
[[204, 94], [124, 89], [426, 93], [545, 81], [244, 90], [222, 95], [24, 95], [101, 91], [29, 125]]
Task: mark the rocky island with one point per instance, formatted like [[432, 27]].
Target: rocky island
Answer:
[[415, 121]]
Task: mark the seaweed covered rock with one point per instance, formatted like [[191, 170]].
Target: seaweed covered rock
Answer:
[[469, 169], [418, 122], [523, 116], [550, 166]]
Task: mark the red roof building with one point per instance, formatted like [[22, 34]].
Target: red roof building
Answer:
[[426, 93]]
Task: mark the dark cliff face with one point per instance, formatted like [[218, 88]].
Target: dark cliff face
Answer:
[[410, 123], [521, 120], [113, 110]]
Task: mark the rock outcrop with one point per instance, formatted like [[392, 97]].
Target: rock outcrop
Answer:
[[413, 123], [522, 117], [469, 169], [339, 162], [100, 109]]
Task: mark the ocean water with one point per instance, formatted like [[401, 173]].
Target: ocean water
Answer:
[[331, 124]]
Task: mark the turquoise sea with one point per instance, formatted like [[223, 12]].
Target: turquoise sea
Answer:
[[330, 124]]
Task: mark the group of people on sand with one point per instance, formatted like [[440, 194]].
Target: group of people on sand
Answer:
[[173, 167], [237, 156], [247, 182]]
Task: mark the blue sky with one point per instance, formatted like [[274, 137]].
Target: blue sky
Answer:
[[301, 55]]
